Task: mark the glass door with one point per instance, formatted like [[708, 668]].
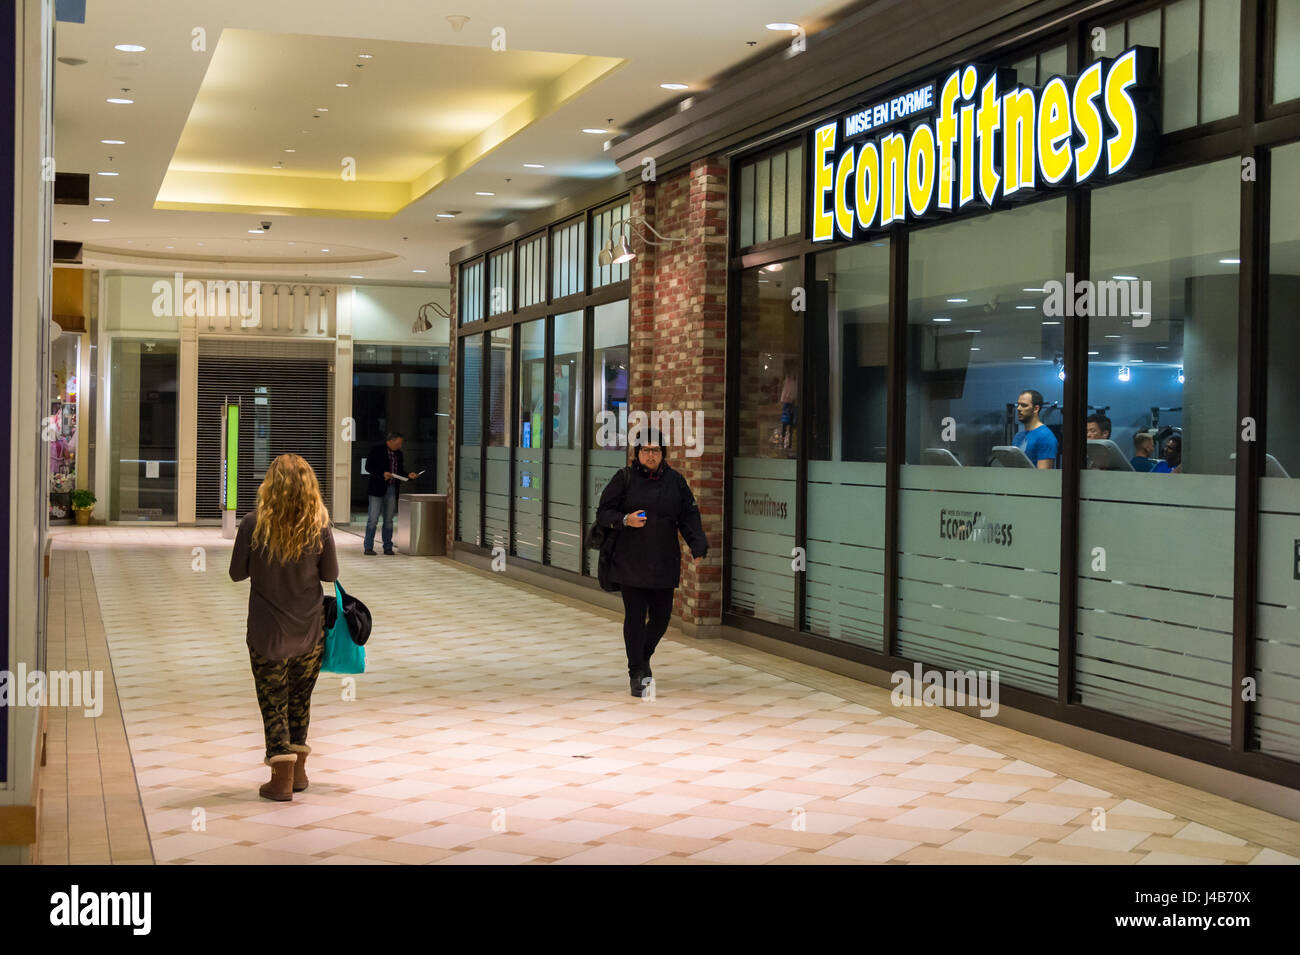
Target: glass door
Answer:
[[143, 430]]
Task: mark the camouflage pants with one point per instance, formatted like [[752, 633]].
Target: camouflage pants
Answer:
[[284, 693]]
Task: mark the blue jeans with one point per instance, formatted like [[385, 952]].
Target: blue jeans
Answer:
[[388, 504]]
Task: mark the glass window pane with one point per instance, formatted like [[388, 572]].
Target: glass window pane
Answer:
[[1286, 51], [794, 190], [1178, 66], [468, 465], [1112, 42], [762, 200], [778, 195], [763, 471], [496, 501], [143, 430], [846, 423], [564, 477], [1051, 63], [609, 398], [1220, 59], [1277, 646], [746, 206], [1026, 70], [979, 523], [1155, 596], [529, 435], [1144, 30]]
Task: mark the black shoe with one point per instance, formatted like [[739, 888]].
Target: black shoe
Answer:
[[369, 553], [638, 679], [390, 553]]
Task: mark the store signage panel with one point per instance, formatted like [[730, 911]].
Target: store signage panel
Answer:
[[976, 136]]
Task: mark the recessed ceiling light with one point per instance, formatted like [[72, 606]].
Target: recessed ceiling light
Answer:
[[1033, 290], [99, 220], [783, 26], [973, 331], [485, 193], [419, 270], [1029, 357], [320, 109], [1094, 353], [1158, 347], [1026, 308], [594, 131], [256, 231], [1230, 261], [365, 56], [1125, 278], [120, 100], [674, 86], [200, 243], [324, 250], [1112, 336], [171, 246], [1051, 323], [341, 86], [106, 174], [129, 47], [291, 150], [1136, 361], [103, 198], [356, 276], [113, 142], [957, 301], [974, 349], [943, 319], [533, 165], [445, 215], [775, 267]]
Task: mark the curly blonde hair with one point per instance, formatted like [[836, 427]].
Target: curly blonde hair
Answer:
[[291, 514]]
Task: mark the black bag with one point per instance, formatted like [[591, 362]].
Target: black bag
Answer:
[[603, 539], [355, 613]]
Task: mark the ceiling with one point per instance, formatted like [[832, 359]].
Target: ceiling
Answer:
[[428, 119]]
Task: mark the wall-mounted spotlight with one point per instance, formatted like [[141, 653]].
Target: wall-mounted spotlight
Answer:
[[618, 249], [1124, 373], [422, 323]]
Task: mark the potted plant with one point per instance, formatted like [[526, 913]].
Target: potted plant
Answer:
[[83, 502]]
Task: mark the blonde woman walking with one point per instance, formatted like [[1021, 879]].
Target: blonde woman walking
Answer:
[[286, 548]]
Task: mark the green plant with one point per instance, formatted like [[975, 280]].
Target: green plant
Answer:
[[83, 500]]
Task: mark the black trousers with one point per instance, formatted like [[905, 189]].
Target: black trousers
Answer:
[[646, 613]]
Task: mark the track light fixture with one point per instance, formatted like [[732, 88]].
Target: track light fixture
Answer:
[[618, 248], [422, 323]]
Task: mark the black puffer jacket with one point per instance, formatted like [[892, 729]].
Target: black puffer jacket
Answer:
[[650, 556]]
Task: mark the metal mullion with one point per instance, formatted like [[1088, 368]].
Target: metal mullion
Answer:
[[484, 429], [1075, 399], [896, 435], [1200, 52], [548, 371], [731, 398], [801, 457], [588, 419], [1252, 397]]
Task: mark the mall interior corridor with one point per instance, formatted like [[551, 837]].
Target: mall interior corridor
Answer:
[[493, 725]]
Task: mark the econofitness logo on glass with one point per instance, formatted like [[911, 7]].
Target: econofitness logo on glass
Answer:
[[983, 138]]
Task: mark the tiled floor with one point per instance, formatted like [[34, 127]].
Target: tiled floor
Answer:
[[494, 726]]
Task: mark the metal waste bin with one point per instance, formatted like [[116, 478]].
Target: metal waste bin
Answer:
[[427, 514]]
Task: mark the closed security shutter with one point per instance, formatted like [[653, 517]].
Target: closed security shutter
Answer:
[[286, 394]]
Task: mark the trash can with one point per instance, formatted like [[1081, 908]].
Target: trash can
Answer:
[[427, 514]]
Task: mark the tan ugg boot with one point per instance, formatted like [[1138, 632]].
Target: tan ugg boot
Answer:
[[280, 788], [300, 768]]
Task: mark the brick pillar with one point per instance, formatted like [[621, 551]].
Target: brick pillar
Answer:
[[452, 354], [677, 328]]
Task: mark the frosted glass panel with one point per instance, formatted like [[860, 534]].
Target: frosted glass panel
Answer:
[[1178, 65], [1286, 51], [467, 494], [1277, 637], [601, 468], [762, 538], [529, 438], [1220, 57], [846, 558], [496, 499]]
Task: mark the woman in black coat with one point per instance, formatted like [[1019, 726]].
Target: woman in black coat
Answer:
[[648, 504]]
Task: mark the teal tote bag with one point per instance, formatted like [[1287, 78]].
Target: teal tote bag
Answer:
[[342, 655]]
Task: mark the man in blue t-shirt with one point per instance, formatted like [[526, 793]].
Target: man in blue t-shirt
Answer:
[[1037, 440]]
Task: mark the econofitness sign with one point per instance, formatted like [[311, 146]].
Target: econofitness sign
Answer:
[[981, 138]]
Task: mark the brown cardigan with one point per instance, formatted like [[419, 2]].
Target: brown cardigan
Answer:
[[284, 601]]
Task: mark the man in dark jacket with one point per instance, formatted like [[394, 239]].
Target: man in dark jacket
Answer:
[[383, 464], [649, 504]]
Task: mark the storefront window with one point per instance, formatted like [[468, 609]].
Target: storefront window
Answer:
[[846, 423], [771, 197], [1286, 51], [468, 454], [564, 477], [529, 436], [1156, 508], [605, 226], [769, 429], [471, 293], [500, 279], [496, 477], [979, 505], [567, 244], [1037, 68], [1200, 53], [1277, 646], [63, 434], [142, 430], [609, 396], [532, 272]]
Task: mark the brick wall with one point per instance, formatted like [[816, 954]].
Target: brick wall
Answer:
[[677, 320]]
